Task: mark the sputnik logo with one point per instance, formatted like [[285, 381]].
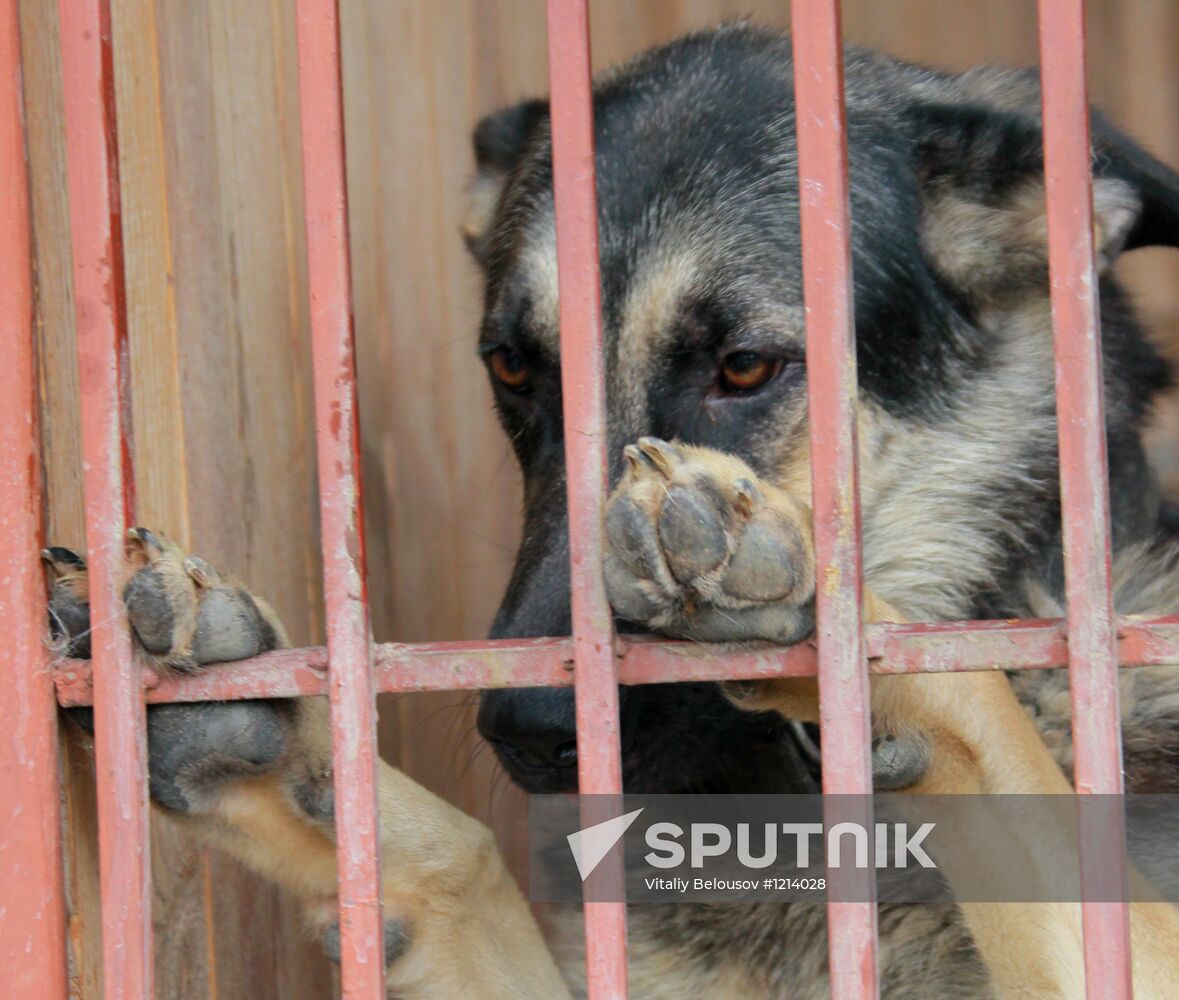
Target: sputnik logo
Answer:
[[591, 845]]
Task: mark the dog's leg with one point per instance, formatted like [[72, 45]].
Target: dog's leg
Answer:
[[982, 740], [255, 777], [700, 547]]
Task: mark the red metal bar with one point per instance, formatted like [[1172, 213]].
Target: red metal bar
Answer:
[[32, 889], [120, 722], [350, 681], [464, 666], [584, 394], [825, 219], [1084, 481]]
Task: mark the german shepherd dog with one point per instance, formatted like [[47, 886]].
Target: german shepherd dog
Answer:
[[708, 526]]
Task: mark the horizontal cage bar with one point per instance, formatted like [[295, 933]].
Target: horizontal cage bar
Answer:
[[460, 666]]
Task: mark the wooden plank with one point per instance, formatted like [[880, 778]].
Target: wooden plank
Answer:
[[227, 82], [442, 487], [206, 905], [61, 449]]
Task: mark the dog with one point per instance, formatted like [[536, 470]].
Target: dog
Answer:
[[708, 524]]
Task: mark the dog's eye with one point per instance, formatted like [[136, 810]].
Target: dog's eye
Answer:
[[509, 368], [747, 371]]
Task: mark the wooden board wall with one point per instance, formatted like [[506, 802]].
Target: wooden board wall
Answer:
[[220, 366]]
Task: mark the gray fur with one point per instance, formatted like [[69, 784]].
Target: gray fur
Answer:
[[697, 181], [697, 184]]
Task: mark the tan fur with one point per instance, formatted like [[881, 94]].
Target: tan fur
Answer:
[[473, 934], [1032, 950], [982, 741]]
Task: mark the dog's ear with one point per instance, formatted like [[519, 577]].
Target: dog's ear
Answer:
[[499, 140], [983, 216]]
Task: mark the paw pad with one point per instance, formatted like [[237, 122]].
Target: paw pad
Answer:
[[150, 610], [765, 566], [698, 547], [691, 534], [193, 748]]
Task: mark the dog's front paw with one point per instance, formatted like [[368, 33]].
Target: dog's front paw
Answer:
[[698, 547], [184, 614], [69, 601]]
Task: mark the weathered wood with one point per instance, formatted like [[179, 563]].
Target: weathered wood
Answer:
[[61, 446], [200, 317], [209, 155]]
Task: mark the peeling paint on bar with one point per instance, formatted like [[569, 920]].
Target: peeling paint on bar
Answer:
[[1093, 662], [32, 889], [1093, 644], [349, 682], [599, 765], [844, 718], [465, 666], [120, 749]]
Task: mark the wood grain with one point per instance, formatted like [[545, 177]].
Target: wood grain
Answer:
[[220, 364]]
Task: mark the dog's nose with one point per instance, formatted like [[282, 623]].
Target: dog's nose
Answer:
[[532, 730]]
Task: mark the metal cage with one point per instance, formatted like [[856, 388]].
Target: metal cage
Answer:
[[1093, 642]]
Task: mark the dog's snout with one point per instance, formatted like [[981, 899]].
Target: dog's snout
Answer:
[[533, 733]]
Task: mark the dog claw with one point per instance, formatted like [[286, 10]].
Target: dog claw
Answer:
[[62, 560], [69, 607], [143, 548], [201, 572], [662, 456], [142, 536], [748, 497]]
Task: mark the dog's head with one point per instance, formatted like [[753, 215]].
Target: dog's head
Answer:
[[703, 316]]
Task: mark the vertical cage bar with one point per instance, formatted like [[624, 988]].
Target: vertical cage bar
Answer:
[[350, 683], [1092, 627], [32, 888], [584, 399], [831, 381], [120, 749]]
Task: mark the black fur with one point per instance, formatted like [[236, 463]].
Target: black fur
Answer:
[[696, 147]]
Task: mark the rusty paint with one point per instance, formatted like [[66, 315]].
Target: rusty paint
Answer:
[[940, 647], [846, 651], [119, 717], [464, 666], [599, 764], [32, 890], [1093, 662], [349, 679], [825, 220]]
